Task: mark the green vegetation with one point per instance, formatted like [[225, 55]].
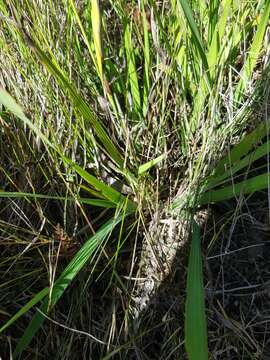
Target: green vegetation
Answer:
[[108, 119]]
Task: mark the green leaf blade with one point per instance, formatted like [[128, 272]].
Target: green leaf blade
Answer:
[[145, 167], [38, 297], [195, 35], [242, 148], [195, 322], [254, 53], [64, 280], [245, 187]]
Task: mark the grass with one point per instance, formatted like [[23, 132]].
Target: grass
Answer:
[[114, 122]]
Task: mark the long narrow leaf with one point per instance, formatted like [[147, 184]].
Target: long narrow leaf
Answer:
[[106, 191], [64, 280], [213, 52], [145, 167], [146, 50], [246, 161], [132, 71], [249, 186], [241, 149], [37, 298], [85, 37], [79, 103], [196, 35], [254, 52], [94, 202], [11, 105], [96, 26], [195, 322]]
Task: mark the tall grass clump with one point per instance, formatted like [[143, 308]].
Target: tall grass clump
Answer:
[[120, 122]]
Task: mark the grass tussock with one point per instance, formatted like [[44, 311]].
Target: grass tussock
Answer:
[[121, 124]]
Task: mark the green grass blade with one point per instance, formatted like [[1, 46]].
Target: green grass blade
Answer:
[[249, 186], [246, 161], [84, 35], [96, 27], [254, 53], [145, 167], [226, 6], [213, 18], [97, 202], [195, 322], [93, 202], [213, 52], [17, 110], [106, 191], [204, 81], [79, 103], [241, 149], [132, 71], [38, 297], [10, 103], [64, 280], [195, 35], [147, 71]]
